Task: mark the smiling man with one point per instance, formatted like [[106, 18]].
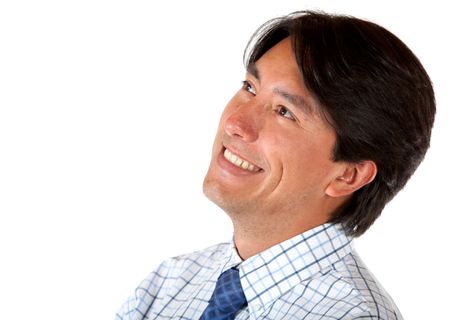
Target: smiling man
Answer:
[[272, 169], [332, 119]]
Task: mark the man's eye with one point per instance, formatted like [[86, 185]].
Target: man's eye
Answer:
[[284, 112], [247, 86]]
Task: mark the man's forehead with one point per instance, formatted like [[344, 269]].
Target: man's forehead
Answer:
[[253, 70]]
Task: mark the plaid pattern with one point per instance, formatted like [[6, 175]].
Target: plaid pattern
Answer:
[[315, 275], [227, 298]]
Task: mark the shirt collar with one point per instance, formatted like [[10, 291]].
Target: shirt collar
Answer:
[[271, 273]]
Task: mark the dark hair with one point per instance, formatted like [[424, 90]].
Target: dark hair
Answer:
[[374, 92]]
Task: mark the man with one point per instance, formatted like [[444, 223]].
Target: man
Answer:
[[333, 117]]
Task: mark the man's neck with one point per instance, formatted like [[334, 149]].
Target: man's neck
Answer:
[[251, 239]]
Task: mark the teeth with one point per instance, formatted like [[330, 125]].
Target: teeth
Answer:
[[238, 162]]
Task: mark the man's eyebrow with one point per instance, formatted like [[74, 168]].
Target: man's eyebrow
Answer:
[[296, 100], [253, 70]]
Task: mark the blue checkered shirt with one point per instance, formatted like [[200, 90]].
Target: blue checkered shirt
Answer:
[[314, 275]]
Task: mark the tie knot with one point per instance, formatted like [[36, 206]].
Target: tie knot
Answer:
[[228, 297]]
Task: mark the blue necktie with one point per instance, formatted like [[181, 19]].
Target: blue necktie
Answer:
[[227, 299]]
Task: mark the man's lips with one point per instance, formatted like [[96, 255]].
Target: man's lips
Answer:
[[239, 162]]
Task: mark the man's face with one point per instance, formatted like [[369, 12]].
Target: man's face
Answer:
[[273, 150]]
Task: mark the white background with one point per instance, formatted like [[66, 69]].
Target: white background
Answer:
[[108, 110]]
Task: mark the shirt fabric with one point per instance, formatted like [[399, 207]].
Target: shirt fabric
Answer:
[[314, 275]]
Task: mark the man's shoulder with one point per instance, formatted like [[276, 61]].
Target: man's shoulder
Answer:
[[195, 261], [202, 257], [170, 277], [373, 298]]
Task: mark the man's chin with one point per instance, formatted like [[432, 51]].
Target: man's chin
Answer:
[[232, 205], [214, 192]]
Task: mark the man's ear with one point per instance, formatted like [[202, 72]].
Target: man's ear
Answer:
[[353, 177]]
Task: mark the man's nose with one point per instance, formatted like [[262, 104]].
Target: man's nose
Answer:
[[244, 123]]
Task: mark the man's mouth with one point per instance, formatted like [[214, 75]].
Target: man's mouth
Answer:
[[238, 162]]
